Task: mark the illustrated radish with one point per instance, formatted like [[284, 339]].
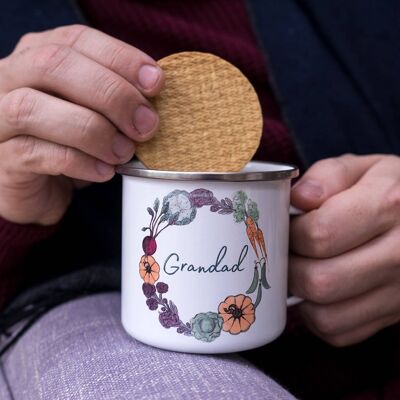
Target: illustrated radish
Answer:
[[182, 212], [149, 245]]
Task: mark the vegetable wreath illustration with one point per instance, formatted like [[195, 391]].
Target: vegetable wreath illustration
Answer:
[[237, 312]]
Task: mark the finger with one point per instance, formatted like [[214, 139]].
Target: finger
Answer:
[[29, 155], [339, 318], [72, 76], [327, 177], [26, 111], [127, 61], [339, 278], [345, 221], [40, 201], [356, 335]]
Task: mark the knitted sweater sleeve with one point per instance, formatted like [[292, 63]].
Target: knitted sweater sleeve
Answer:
[[15, 242]]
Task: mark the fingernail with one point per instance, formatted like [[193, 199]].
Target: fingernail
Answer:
[[148, 76], [122, 146], [103, 168], [144, 120], [308, 189]]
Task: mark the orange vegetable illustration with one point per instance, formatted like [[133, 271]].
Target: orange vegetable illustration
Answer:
[[256, 236], [261, 242], [238, 313], [251, 230], [149, 269]]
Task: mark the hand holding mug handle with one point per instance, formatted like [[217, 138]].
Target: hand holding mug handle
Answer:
[[293, 300]]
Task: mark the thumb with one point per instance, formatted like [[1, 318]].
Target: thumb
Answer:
[[327, 177]]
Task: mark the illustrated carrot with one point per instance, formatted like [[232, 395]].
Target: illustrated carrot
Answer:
[[261, 242], [251, 231], [252, 239]]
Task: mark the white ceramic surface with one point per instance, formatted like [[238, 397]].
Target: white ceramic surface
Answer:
[[208, 307]]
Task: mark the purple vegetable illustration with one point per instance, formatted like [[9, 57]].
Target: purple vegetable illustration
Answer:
[[149, 245], [176, 209]]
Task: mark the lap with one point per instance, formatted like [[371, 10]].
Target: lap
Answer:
[[79, 350], [5, 393]]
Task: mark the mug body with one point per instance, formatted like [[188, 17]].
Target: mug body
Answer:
[[205, 256]]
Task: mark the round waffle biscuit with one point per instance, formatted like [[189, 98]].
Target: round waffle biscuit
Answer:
[[210, 117]]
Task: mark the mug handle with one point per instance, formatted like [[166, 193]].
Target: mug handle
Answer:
[[293, 300]]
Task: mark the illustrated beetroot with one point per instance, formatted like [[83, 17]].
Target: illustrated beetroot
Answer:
[[149, 245]]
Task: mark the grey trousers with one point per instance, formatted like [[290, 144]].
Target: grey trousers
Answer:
[[79, 350]]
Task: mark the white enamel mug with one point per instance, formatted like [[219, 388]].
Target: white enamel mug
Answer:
[[205, 257]]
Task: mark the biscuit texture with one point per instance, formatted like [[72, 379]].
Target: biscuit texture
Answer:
[[210, 117]]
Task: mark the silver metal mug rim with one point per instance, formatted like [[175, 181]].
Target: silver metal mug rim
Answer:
[[287, 171]]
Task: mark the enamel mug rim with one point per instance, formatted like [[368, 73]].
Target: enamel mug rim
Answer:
[[253, 171]]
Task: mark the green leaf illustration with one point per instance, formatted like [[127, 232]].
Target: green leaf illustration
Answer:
[[239, 199], [239, 206], [164, 218], [156, 204], [239, 214], [165, 207], [252, 210]]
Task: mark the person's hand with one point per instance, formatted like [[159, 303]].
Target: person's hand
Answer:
[[346, 247], [72, 103]]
